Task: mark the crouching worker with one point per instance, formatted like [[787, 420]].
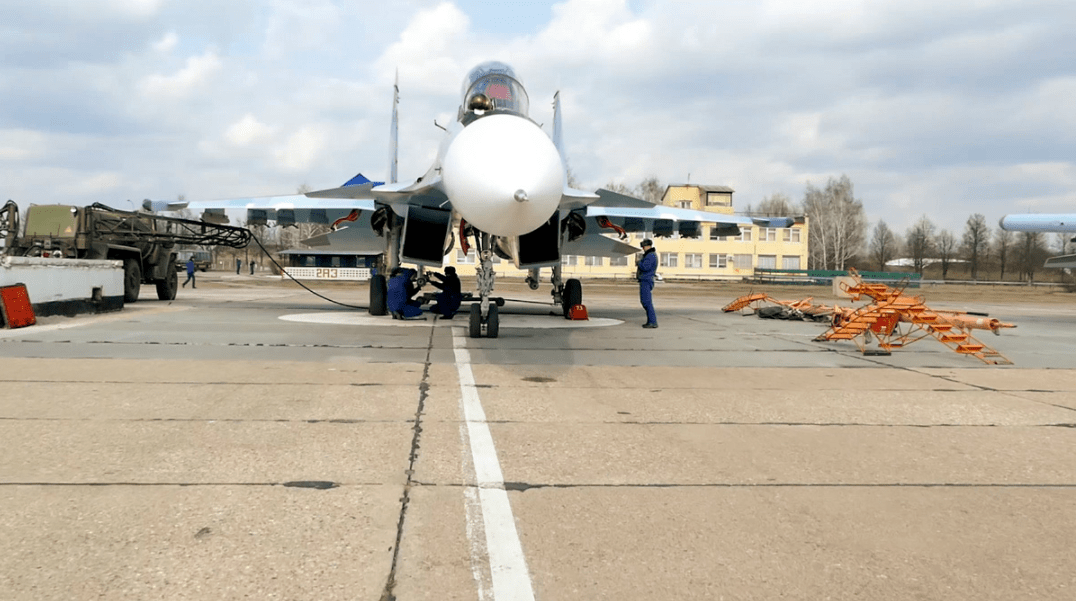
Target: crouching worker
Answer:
[[450, 296], [398, 298]]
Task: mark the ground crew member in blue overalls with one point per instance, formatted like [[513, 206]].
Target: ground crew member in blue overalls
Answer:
[[190, 273], [646, 269]]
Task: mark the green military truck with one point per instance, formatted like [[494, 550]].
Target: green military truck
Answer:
[[202, 259], [144, 243]]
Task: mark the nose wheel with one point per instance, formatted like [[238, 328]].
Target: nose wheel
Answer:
[[484, 327]]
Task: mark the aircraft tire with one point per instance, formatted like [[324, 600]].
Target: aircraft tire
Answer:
[[167, 288], [573, 295], [493, 322], [378, 294], [132, 280], [476, 321]]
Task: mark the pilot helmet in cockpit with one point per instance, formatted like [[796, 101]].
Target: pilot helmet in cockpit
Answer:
[[493, 86]]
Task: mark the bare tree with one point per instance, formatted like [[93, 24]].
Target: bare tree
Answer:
[[976, 242], [1061, 241], [883, 245], [1003, 241], [947, 250], [775, 205], [1030, 253], [919, 242], [837, 226], [651, 189]]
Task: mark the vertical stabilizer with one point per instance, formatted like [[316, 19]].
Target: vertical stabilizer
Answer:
[[394, 134], [557, 126]]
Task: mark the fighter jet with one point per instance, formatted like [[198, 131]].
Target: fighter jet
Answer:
[[498, 183], [1044, 222]]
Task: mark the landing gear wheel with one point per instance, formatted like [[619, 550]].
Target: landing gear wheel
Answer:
[[378, 293], [573, 295], [493, 324], [476, 321], [132, 280], [166, 288]]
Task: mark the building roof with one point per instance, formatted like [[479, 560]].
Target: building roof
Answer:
[[702, 187]]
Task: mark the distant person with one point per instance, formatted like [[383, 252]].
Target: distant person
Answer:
[[190, 273], [238, 266], [646, 269], [398, 298], [450, 295], [252, 264]]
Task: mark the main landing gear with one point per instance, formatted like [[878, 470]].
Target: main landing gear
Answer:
[[566, 294]]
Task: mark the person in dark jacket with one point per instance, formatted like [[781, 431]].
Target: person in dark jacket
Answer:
[[398, 296], [646, 269], [450, 295], [190, 273]]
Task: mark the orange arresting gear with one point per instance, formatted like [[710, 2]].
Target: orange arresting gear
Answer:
[[578, 312], [15, 308]]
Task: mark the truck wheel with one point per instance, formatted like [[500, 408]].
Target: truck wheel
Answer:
[[132, 280], [166, 288], [378, 294]]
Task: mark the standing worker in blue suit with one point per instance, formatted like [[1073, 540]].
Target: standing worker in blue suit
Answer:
[[190, 273], [646, 269]]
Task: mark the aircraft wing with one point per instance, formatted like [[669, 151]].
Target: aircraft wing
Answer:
[[1040, 222], [1061, 262], [426, 191], [596, 245]]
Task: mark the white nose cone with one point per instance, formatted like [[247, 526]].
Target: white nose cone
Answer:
[[503, 175]]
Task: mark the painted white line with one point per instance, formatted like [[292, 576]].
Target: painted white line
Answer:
[[507, 565]]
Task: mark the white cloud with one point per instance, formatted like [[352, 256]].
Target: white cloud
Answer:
[[248, 131], [303, 149], [196, 73], [166, 43]]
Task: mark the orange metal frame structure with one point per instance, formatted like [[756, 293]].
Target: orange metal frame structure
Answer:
[[896, 320]]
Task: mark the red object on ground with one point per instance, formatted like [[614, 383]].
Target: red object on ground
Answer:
[[15, 308], [578, 312]]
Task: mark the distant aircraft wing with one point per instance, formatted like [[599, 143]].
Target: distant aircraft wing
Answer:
[[1040, 222], [1061, 262]]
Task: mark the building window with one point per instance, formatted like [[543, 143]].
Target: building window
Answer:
[[693, 261], [592, 261], [716, 199], [742, 261], [768, 234], [714, 236], [745, 234], [621, 261], [683, 204], [767, 261], [792, 262], [719, 261], [791, 234], [569, 260], [669, 259], [464, 259]]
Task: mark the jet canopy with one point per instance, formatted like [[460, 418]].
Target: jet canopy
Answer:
[[493, 86]]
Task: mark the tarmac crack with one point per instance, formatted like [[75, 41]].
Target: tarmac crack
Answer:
[[388, 594]]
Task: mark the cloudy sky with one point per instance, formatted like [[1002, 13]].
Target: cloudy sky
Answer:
[[938, 108]]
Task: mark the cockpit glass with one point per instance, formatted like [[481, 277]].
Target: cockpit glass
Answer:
[[499, 84]]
